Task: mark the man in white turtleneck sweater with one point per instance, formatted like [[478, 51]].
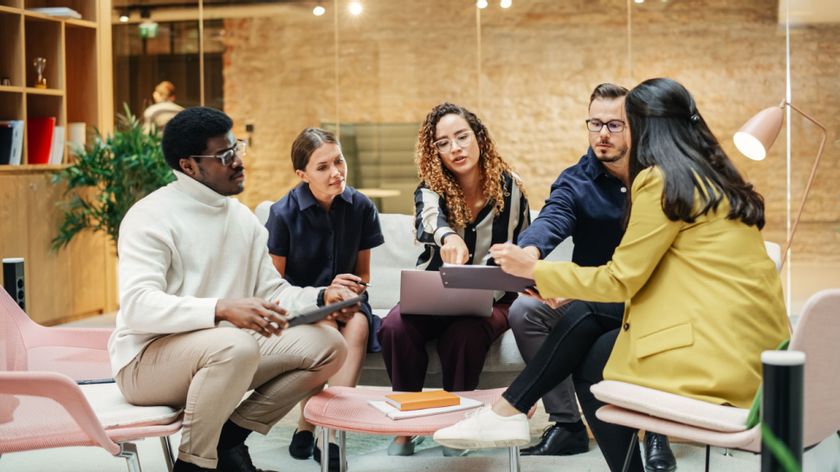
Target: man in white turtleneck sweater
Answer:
[[202, 310]]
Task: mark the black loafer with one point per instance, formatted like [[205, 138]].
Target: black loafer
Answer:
[[658, 454], [333, 454], [558, 441], [236, 459], [302, 444]]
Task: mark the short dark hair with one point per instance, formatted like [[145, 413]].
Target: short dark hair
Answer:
[[186, 134], [607, 91], [307, 142]]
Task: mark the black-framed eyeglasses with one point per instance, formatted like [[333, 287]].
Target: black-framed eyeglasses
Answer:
[[226, 157], [596, 125]]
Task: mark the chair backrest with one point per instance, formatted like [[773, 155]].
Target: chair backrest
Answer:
[[12, 345], [816, 334]]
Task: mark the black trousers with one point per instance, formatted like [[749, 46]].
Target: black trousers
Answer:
[[579, 345]]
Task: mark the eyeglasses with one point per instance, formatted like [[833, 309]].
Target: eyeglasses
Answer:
[[444, 146], [227, 156], [613, 126]]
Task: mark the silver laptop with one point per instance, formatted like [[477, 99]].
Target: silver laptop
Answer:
[[422, 293]]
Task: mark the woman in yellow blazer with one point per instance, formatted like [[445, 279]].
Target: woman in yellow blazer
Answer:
[[702, 297]]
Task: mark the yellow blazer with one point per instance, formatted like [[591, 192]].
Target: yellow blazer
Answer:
[[702, 300]]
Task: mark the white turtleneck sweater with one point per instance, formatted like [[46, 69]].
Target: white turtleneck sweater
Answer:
[[181, 248]]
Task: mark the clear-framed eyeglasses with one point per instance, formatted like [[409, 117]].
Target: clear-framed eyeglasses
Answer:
[[613, 126], [227, 156], [444, 146]]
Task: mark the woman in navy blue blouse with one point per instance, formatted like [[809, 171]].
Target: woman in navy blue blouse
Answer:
[[321, 234]]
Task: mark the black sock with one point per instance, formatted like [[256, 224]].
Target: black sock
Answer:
[[181, 466], [232, 435], [572, 427]]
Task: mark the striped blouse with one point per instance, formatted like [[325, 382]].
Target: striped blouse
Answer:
[[488, 228]]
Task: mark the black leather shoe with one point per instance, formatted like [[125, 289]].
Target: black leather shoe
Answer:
[[658, 454], [558, 441], [332, 454], [302, 444], [182, 466], [236, 459]]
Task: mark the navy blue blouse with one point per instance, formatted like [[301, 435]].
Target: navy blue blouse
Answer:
[[319, 245]]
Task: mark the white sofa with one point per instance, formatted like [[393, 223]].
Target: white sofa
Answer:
[[400, 251]]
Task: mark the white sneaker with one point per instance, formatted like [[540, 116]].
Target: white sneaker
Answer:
[[483, 429]]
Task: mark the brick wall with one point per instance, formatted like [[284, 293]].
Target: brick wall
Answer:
[[539, 62]]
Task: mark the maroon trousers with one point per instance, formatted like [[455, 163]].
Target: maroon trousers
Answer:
[[463, 342]]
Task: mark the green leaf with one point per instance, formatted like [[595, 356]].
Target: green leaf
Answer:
[[108, 177]]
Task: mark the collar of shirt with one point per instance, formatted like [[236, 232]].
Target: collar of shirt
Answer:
[[198, 190], [306, 199], [593, 168]]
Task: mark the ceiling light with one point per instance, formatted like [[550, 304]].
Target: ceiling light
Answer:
[[356, 8], [319, 10], [506, 3], [124, 18], [639, 1], [481, 4]]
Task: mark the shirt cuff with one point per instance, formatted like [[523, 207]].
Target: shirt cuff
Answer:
[[441, 233]]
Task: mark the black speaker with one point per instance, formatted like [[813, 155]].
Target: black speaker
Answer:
[[13, 280]]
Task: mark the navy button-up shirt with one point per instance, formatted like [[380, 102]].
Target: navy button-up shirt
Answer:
[[586, 203], [319, 245]]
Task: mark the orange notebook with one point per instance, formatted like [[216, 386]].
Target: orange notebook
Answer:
[[421, 400]]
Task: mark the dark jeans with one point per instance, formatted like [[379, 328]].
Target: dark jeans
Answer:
[[463, 342], [579, 345]]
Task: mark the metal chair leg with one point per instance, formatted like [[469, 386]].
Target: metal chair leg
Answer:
[[513, 453], [634, 443], [708, 453], [342, 454], [325, 449], [128, 451], [168, 455]]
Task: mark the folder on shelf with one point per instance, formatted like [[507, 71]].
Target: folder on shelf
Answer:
[[57, 150], [39, 139], [420, 400], [11, 142], [59, 12]]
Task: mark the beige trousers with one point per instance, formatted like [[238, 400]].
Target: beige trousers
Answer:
[[207, 372]]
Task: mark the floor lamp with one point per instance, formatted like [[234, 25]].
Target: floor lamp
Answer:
[[756, 137]]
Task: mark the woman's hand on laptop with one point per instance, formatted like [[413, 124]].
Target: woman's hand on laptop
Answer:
[[514, 260], [335, 294], [454, 250], [352, 282]]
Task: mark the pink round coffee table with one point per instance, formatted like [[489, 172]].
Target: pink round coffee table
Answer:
[[346, 409]]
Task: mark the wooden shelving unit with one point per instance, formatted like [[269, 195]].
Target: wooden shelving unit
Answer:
[[70, 47], [79, 280]]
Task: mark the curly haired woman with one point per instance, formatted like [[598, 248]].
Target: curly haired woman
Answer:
[[468, 199]]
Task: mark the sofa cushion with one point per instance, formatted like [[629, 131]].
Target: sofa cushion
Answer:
[[400, 251]]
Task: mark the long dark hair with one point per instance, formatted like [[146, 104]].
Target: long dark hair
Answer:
[[668, 132]]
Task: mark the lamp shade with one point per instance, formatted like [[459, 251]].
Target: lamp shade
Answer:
[[759, 133]]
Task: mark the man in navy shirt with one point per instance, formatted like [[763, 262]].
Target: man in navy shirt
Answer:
[[587, 202]]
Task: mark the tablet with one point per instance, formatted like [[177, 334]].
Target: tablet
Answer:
[[483, 277], [318, 314]]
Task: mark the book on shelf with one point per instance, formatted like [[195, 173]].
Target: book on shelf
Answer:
[[395, 414], [11, 142], [39, 139], [419, 400], [57, 149], [58, 12]]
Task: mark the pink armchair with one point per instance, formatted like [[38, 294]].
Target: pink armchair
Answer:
[[815, 334], [41, 405]]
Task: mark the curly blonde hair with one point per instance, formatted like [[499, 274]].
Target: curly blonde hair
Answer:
[[440, 180]]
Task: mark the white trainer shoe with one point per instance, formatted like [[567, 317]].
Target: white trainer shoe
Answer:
[[485, 429]]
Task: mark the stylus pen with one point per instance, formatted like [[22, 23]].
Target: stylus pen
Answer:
[[94, 381], [363, 283]]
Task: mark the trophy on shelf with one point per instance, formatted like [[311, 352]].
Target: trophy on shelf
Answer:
[[40, 63]]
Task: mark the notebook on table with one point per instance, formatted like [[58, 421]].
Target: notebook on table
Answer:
[[422, 293]]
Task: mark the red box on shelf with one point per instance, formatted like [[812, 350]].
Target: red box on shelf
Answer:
[[39, 139]]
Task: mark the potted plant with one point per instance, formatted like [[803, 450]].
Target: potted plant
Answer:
[[108, 177]]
